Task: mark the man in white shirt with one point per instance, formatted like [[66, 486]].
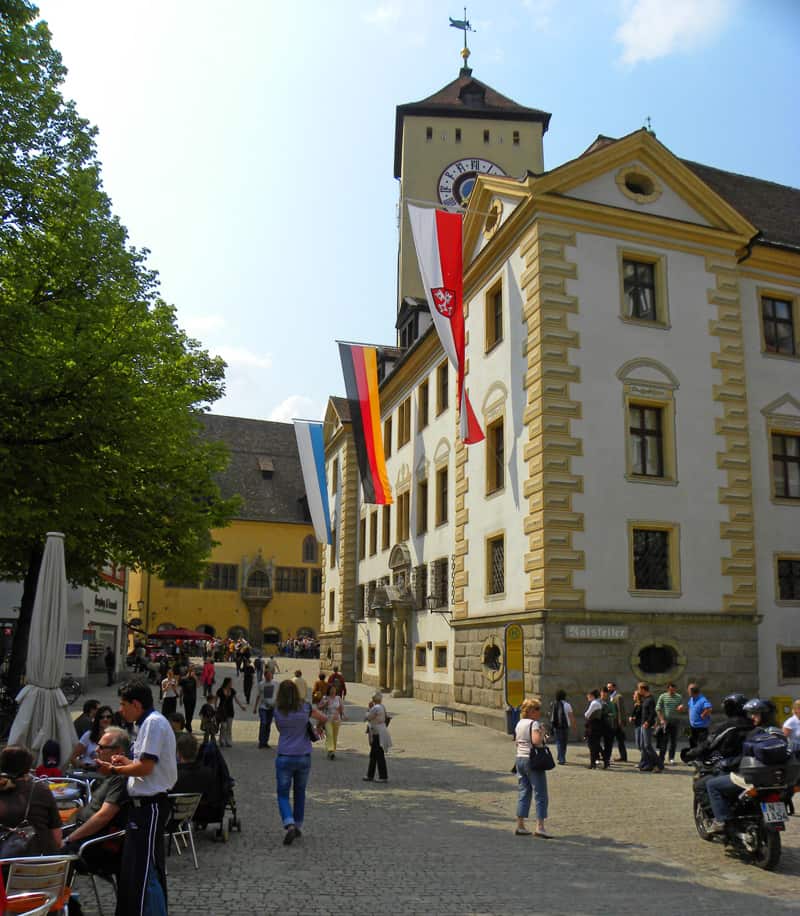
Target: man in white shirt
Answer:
[[152, 772]]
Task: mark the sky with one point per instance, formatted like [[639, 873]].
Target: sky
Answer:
[[249, 146]]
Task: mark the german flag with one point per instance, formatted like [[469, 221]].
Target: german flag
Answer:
[[360, 369]]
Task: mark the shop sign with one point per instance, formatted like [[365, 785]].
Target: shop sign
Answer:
[[592, 631]]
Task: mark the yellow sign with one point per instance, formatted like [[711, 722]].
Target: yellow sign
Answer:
[[515, 665]]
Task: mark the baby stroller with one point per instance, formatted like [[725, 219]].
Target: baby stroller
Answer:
[[212, 810]]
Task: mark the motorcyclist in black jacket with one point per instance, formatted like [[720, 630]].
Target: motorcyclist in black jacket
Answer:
[[725, 746]]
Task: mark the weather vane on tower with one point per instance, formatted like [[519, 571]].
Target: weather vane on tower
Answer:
[[465, 27]]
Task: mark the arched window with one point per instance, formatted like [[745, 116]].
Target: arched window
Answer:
[[165, 626], [272, 635], [310, 549], [206, 628], [237, 633], [258, 579]]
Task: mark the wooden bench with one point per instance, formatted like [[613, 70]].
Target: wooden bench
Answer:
[[450, 713]]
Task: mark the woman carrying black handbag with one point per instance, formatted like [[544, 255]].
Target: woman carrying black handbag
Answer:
[[529, 737]]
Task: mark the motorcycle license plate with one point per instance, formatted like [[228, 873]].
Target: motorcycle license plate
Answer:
[[774, 812]]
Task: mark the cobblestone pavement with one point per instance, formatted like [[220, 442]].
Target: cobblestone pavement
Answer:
[[438, 837]]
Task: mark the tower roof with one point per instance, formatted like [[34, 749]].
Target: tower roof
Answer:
[[465, 97]]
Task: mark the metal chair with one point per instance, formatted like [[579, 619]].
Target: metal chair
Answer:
[[29, 904], [179, 825], [51, 875], [93, 875]]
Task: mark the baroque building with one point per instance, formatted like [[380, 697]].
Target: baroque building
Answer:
[[633, 355], [263, 578]]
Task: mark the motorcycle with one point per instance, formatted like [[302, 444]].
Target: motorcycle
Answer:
[[758, 816]]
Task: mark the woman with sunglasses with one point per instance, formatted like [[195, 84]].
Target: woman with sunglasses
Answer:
[[83, 756]]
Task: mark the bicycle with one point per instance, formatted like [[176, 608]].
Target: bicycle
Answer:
[[71, 688]]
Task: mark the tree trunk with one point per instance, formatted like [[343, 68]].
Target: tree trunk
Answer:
[[19, 649]]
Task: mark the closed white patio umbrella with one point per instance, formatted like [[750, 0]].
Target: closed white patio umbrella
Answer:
[[43, 712]]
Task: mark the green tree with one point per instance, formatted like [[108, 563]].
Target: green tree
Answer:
[[100, 390]]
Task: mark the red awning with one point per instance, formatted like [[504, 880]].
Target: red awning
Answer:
[[180, 634]]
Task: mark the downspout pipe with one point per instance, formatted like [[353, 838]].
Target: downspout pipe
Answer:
[[748, 248]]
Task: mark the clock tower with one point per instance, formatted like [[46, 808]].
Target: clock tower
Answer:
[[444, 141]]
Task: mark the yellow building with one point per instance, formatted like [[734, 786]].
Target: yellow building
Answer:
[[263, 580]]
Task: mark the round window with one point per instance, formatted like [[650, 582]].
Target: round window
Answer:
[[657, 659], [492, 660], [639, 184]]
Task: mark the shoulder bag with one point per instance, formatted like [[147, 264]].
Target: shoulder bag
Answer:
[[540, 756], [14, 841]]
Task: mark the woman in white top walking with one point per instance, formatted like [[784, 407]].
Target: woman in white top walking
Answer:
[[530, 732], [333, 707]]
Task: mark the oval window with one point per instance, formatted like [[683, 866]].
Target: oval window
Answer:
[[639, 184], [657, 659]]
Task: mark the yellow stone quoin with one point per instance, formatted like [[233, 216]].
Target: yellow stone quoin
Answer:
[[550, 410]]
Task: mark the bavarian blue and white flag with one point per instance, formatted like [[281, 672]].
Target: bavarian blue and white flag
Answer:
[[312, 461]]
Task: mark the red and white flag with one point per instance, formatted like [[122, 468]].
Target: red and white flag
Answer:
[[437, 238]]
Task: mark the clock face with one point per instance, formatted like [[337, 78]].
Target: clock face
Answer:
[[458, 179]]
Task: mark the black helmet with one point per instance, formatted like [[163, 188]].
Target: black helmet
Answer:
[[733, 704], [756, 705]]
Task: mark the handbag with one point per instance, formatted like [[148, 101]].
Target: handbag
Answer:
[[540, 756], [15, 841], [313, 734]]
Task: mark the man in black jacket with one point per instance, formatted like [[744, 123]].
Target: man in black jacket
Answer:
[[725, 745]]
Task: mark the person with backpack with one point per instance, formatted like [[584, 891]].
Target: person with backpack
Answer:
[[562, 719], [649, 757], [619, 728], [743, 722], [609, 720], [265, 707]]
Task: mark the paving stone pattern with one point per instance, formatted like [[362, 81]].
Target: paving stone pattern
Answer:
[[438, 838]]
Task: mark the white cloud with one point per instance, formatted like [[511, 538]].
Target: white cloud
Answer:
[[657, 28], [541, 12], [384, 14], [242, 357], [295, 406], [196, 325]]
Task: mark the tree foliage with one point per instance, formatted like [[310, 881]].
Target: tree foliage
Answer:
[[99, 388]]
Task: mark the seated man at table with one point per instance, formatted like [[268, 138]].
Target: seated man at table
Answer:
[[193, 777], [107, 809]]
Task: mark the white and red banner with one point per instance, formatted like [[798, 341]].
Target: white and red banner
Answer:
[[437, 238]]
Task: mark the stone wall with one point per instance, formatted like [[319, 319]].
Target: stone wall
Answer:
[[435, 692], [720, 651], [474, 683]]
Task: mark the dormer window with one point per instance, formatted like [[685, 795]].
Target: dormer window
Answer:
[[266, 466], [473, 94]]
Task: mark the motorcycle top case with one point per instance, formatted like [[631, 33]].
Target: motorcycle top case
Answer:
[[767, 748]]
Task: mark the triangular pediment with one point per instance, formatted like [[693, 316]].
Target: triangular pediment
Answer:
[[784, 408], [337, 413], [638, 173], [493, 202]]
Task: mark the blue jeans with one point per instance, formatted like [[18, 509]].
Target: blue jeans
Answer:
[[265, 715], [562, 736], [720, 788], [531, 782], [287, 770]]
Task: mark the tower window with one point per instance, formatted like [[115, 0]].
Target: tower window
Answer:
[[458, 135], [486, 136], [515, 137], [429, 133]]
